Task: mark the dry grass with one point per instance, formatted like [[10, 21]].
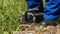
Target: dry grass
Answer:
[[46, 30]]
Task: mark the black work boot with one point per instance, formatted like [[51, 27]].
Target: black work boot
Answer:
[[32, 16], [36, 16], [48, 23], [26, 18]]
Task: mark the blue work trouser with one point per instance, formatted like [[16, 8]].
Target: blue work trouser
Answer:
[[52, 7]]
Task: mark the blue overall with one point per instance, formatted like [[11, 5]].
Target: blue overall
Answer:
[[52, 7]]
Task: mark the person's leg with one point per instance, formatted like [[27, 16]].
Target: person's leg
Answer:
[[33, 7], [52, 10]]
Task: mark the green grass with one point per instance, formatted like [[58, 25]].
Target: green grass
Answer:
[[10, 11]]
